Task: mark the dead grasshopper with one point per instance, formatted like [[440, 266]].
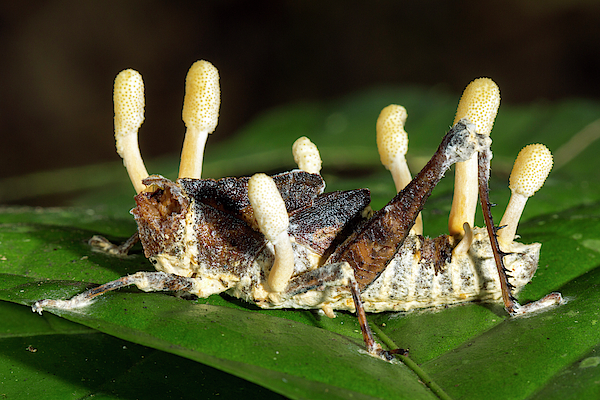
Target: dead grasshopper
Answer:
[[281, 242]]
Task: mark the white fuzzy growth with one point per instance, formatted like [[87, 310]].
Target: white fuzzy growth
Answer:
[[408, 283], [306, 155], [79, 301], [202, 97], [532, 166], [269, 208]]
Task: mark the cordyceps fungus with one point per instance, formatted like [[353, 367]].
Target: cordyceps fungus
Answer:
[[306, 155], [479, 104], [129, 116], [531, 168], [392, 143], [272, 218], [200, 114]]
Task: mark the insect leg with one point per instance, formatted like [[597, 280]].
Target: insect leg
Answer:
[[370, 250], [373, 347], [510, 303], [146, 281], [103, 245], [484, 173]]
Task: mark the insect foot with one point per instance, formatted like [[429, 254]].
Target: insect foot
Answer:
[[280, 242], [146, 281]]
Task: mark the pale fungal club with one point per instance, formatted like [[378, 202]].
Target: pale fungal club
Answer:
[[200, 114], [281, 242], [306, 155], [272, 218], [129, 115], [531, 168], [479, 103], [392, 143]]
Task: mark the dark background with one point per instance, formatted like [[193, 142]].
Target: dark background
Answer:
[[59, 59]]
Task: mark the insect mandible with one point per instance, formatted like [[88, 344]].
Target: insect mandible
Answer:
[[282, 242]]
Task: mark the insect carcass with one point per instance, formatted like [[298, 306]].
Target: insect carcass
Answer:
[[281, 242]]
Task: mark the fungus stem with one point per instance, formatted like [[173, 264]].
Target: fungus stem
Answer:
[[128, 100], [200, 114], [479, 103], [392, 143], [273, 221], [531, 168]]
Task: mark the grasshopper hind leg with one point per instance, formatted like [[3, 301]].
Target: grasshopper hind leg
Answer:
[[510, 303]]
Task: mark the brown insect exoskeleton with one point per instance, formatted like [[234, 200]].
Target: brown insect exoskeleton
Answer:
[[281, 242]]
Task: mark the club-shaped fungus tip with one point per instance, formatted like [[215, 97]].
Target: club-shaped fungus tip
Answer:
[[128, 97], [306, 155], [479, 104], [200, 114], [392, 143], [392, 139], [531, 168], [272, 218]]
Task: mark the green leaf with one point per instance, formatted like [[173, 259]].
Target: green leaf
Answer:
[[50, 357], [470, 351]]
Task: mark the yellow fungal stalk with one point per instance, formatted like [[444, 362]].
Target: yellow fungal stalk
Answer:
[[532, 166], [392, 143], [200, 114], [306, 155], [272, 218], [128, 100], [479, 103]]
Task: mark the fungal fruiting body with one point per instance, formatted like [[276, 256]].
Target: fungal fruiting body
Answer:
[[392, 143], [532, 166], [306, 155], [200, 114], [281, 242], [273, 221], [129, 115], [479, 103]]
